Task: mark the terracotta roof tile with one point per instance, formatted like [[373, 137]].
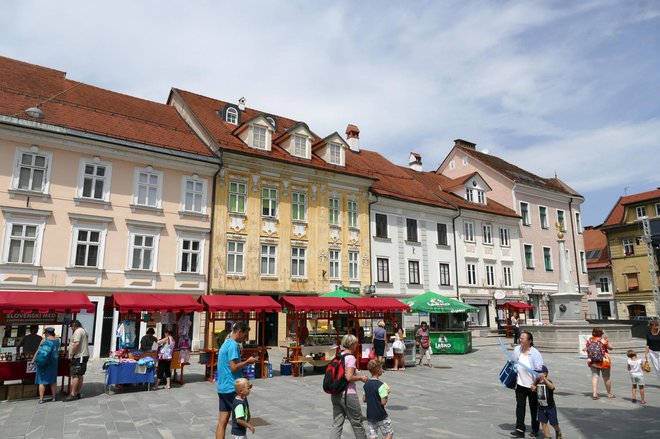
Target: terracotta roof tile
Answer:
[[520, 175], [595, 245], [91, 109], [617, 213]]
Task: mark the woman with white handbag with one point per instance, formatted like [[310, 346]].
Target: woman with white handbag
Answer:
[[399, 347]]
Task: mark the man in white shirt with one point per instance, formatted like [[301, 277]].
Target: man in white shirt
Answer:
[[79, 354]]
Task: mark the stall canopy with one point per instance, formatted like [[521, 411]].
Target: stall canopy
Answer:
[[518, 305], [307, 303], [44, 302], [340, 293], [129, 302], [241, 304], [378, 304], [435, 303]]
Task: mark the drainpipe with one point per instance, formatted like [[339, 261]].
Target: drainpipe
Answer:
[[211, 245], [453, 226]]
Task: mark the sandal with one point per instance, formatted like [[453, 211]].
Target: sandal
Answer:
[[642, 402], [611, 396], [595, 397]]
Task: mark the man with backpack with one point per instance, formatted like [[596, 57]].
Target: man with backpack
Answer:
[[339, 381]]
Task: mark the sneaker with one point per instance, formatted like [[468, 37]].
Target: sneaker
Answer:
[[533, 433], [518, 433]]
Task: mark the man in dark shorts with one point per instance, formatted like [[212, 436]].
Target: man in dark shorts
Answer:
[[229, 369], [79, 355]]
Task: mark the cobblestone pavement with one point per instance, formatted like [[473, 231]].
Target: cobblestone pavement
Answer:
[[459, 398]]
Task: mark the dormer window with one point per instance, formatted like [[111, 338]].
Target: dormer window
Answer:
[[258, 137], [334, 154], [475, 196], [231, 116], [299, 146]]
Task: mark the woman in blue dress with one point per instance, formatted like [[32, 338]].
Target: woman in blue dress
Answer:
[[47, 374]]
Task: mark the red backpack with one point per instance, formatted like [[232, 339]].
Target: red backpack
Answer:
[[335, 381]]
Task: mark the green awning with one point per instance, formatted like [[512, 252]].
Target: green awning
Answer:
[[435, 303], [340, 293]]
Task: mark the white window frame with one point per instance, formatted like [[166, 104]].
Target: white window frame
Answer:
[[490, 275], [268, 256], [444, 273], [550, 266], [563, 214], [334, 211], [137, 184], [298, 142], [353, 265], [387, 273], [353, 213], [194, 193], [231, 116], [469, 195], [102, 229], [628, 244], [269, 203], [107, 179], [238, 194], [236, 253], [39, 223], [505, 240], [578, 223], [468, 231], [334, 264], [487, 234], [583, 262], [524, 213], [640, 212], [506, 276], [199, 252], [543, 217], [606, 283], [256, 139], [45, 188], [155, 234], [301, 202], [481, 196], [335, 154], [471, 273], [298, 259], [533, 264]]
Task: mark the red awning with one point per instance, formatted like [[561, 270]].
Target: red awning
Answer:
[[129, 302], [44, 302], [377, 304], [241, 303], [518, 305], [313, 303]]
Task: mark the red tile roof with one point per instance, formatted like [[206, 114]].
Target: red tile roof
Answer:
[[206, 111], [617, 213], [519, 175], [596, 240], [83, 107]]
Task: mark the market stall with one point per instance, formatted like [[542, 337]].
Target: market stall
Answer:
[[324, 337], [447, 327], [170, 311], [19, 310], [507, 310], [373, 309], [234, 309]]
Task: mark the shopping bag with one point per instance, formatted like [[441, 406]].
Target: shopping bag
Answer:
[[646, 367], [509, 375]]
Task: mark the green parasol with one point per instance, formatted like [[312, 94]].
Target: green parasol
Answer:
[[339, 293], [435, 303]]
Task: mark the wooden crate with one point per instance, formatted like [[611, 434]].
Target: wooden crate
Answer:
[[3, 392], [30, 390], [14, 391]]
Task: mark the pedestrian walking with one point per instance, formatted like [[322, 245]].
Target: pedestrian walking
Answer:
[[530, 359], [399, 347], [79, 355], [240, 415], [547, 409], [636, 376], [346, 404], [165, 353], [515, 324], [598, 360], [376, 395], [423, 338], [378, 340], [229, 370], [653, 346], [47, 373]]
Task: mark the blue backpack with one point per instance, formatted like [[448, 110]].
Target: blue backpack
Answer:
[[45, 354]]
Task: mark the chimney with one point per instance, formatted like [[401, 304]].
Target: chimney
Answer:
[[465, 144], [415, 162], [353, 137], [241, 104]]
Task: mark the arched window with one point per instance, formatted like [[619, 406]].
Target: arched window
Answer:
[[272, 122], [231, 116]]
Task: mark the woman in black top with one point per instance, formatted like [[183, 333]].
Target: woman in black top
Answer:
[[653, 346]]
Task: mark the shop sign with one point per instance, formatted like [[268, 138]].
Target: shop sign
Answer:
[[35, 317]]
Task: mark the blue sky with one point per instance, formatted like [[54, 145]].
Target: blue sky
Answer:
[[567, 87]]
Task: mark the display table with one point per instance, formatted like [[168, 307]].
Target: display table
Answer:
[[451, 342], [124, 373], [16, 370]]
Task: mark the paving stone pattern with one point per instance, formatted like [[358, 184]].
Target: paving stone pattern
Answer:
[[461, 398]]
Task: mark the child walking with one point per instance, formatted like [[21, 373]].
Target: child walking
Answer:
[[240, 413], [547, 411], [636, 376], [376, 393]]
